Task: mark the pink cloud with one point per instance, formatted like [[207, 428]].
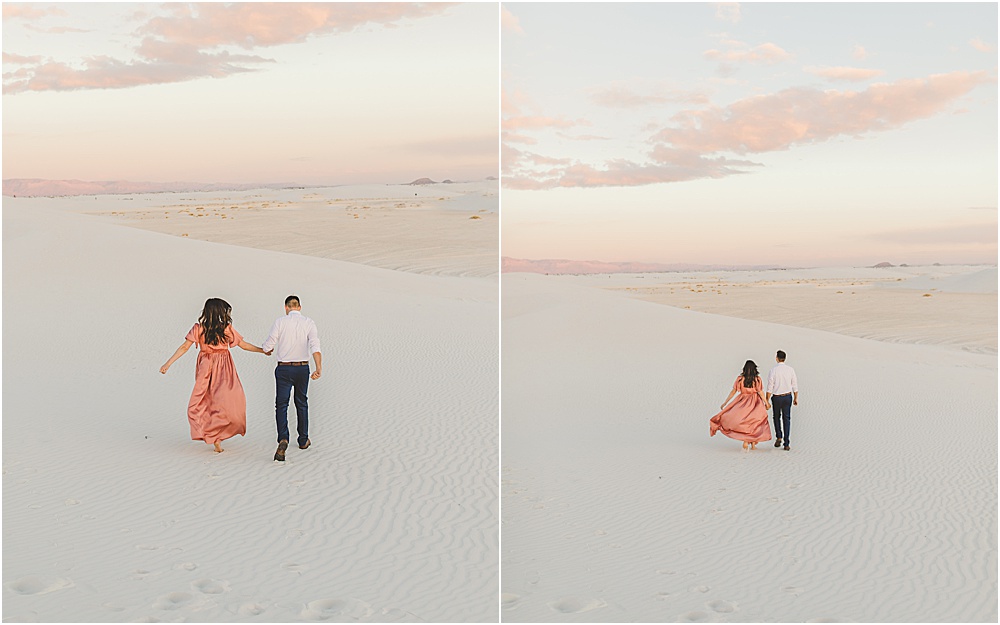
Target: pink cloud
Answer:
[[253, 24], [766, 53], [800, 116], [691, 147], [17, 59], [859, 52], [22, 11], [847, 74], [56, 30], [509, 22], [186, 43], [982, 46], [728, 11], [625, 173], [511, 137], [103, 72]]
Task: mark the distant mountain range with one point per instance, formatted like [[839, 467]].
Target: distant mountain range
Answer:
[[562, 266], [33, 187], [36, 187]]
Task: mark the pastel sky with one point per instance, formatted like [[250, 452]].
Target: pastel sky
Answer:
[[257, 92], [797, 134]]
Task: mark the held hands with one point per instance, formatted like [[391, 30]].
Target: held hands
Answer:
[[268, 352]]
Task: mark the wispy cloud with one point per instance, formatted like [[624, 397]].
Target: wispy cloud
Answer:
[[509, 22], [13, 11], [17, 59], [738, 52], [858, 52], [203, 40], [728, 11], [844, 74], [982, 46], [698, 143], [801, 115]]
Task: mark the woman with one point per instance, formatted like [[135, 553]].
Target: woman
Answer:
[[746, 418], [218, 407]]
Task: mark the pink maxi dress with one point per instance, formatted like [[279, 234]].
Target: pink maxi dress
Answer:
[[218, 406], [745, 419]]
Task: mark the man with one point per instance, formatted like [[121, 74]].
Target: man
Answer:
[[784, 388], [294, 336]]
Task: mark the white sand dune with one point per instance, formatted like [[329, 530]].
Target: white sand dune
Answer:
[[618, 506], [442, 229], [111, 513], [896, 305]]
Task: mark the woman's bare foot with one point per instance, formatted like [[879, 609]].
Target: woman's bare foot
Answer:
[[745, 445], [218, 448], [753, 445]]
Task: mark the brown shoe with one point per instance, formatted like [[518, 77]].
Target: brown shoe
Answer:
[[306, 446], [280, 454]]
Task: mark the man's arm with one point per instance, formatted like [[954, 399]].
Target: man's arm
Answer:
[[795, 389], [318, 357], [272, 338]]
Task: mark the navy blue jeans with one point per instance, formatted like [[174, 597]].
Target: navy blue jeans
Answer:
[[782, 408], [288, 378]]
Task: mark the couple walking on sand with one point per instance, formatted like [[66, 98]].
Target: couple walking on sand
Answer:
[[746, 418], [218, 407]]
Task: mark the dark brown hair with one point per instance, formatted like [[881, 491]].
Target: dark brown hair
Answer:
[[749, 373], [215, 318]]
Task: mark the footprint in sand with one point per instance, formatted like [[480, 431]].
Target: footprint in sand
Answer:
[[185, 566], [600, 533], [793, 486], [293, 567], [509, 600], [210, 586], [695, 616], [665, 571], [33, 585], [251, 609], [723, 607], [327, 609], [141, 574], [576, 605], [792, 590], [172, 601], [290, 506], [147, 547], [661, 596], [296, 533], [72, 502], [699, 589]]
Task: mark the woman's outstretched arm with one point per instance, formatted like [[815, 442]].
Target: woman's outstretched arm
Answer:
[[251, 348], [177, 354], [731, 393]]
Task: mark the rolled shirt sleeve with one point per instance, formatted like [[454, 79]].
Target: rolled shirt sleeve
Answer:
[[313, 338]]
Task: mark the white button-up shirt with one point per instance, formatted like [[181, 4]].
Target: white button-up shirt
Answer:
[[781, 380], [293, 337]]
